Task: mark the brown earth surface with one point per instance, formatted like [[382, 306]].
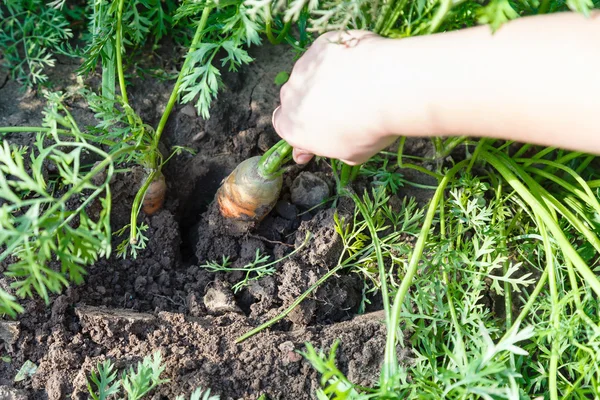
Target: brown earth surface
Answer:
[[164, 300]]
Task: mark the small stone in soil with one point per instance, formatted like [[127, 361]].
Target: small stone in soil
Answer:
[[308, 190], [199, 136], [220, 300], [9, 331], [189, 110]]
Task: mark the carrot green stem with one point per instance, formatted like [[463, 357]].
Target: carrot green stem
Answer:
[[554, 316], [390, 363], [118, 52], [345, 175], [22, 129], [544, 7], [154, 155], [271, 162], [505, 166], [354, 172], [383, 16], [29, 129], [174, 94], [269, 31]]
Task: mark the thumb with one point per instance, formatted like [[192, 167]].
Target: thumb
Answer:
[[301, 156], [281, 123]]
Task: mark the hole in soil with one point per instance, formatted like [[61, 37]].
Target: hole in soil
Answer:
[[205, 187]]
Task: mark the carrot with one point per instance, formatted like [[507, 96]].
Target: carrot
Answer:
[[246, 195], [155, 195], [250, 192]]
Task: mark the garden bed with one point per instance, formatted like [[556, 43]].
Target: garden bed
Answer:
[[164, 300]]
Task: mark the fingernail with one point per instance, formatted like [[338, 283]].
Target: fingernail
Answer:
[[301, 157], [274, 116]]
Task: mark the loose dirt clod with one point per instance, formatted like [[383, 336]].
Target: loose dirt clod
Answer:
[[308, 190], [103, 321], [9, 332], [219, 300]]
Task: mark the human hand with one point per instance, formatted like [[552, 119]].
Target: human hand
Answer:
[[331, 105]]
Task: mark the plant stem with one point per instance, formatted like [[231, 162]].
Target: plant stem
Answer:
[[174, 94], [268, 25], [544, 7], [270, 163], [119, 54], [296, 302], [154, 165], [390, 360], [381, 19], [379, 255], [397, 10], [554, 315], [439, 16], [354, 172], [480, 145], [28, 129], [502, 165], [137, 205], [460, 343], [108, 159], [345, 175], [419, 168]]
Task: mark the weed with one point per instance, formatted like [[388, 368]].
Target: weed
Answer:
[[136, 383], [254, 270]]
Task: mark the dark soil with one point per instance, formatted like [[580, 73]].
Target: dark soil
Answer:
[[165, 300]]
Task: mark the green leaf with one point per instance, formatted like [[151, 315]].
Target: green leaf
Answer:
[[236, 56], [581, 6], [282, 77], [496, 13], [27, 370], [105, 381]]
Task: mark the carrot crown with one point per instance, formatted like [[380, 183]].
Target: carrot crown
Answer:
[[270, 164]]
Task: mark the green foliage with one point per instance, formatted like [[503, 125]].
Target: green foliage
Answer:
[[46, 230], [336, 385], [105, 381], [496, 13], [199, 394], [474, 289], [281, 78], [257, 269], [143, 21], [136, 383], [229, 29], [382, 175], [461, 293], [31, 32]]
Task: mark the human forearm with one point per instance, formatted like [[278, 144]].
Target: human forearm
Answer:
[[535, 80]]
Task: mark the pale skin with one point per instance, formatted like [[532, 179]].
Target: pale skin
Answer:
[[536, 80]]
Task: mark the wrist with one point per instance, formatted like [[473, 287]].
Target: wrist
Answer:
[[408, 86]]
